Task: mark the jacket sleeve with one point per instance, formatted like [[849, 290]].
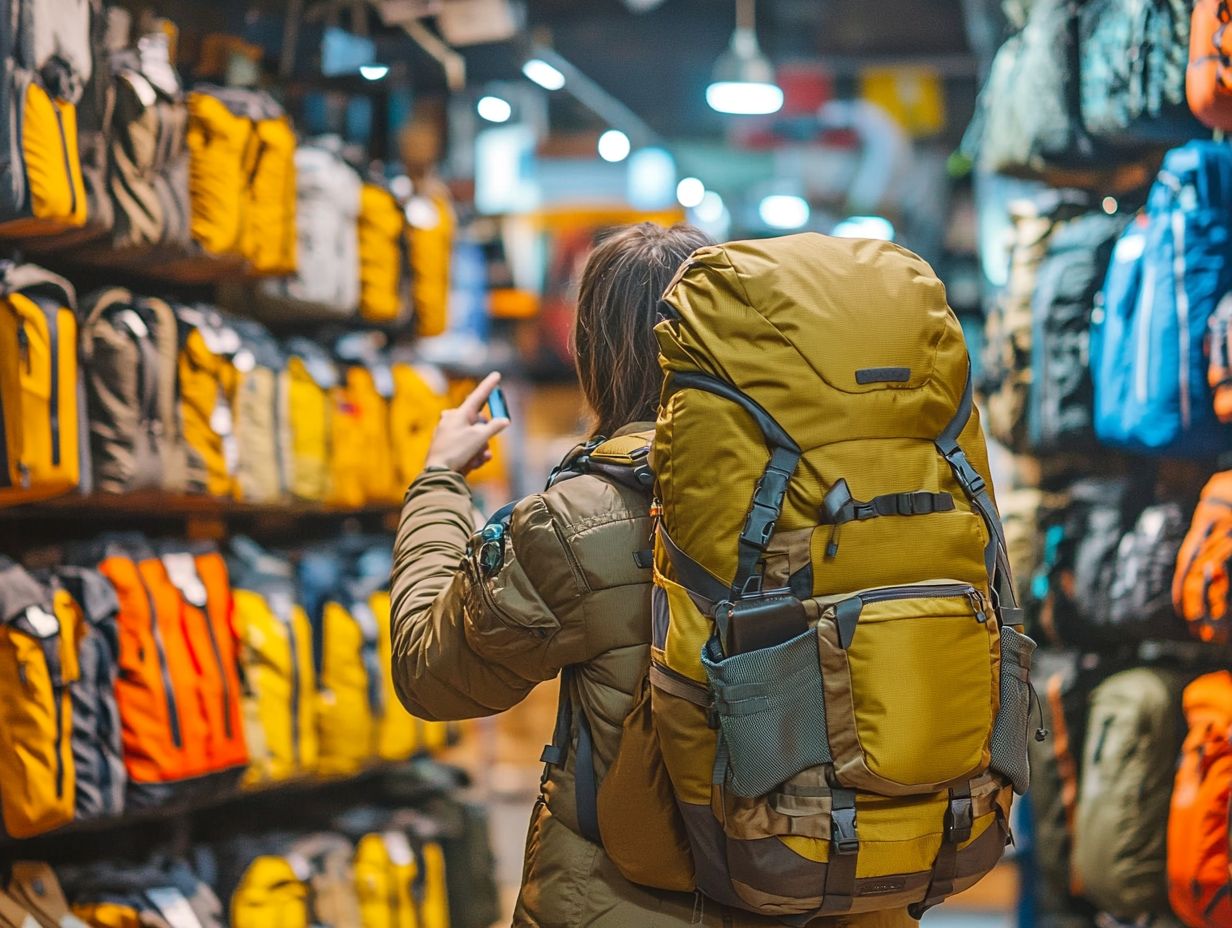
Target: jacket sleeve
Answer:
[[472, 636]]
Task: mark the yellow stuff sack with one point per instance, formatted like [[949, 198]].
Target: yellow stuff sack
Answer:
[[430, 225], [38, 662], [41, 189], [382, 255], [413, 413], [208, 382], [269, 234], [220, 142], [386, 871], [312, 381], [280, 720], [38, 384], [351, 689]]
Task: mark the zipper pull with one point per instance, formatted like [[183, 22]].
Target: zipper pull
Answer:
[[23, 346], [832, 546], [977, 603]]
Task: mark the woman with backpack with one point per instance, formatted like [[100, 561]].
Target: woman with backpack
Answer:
[[481, 618]]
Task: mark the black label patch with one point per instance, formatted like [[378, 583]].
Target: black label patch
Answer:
[[881, 887], [883, 375]]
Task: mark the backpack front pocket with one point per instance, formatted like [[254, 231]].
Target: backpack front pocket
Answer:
[[911, 686]]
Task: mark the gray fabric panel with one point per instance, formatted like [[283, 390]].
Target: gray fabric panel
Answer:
[[771, 706], [1011, 731]]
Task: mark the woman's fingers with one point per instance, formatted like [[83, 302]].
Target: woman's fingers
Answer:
[[474, 403]]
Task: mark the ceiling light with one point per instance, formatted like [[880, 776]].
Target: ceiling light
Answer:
[[865, 227], [710, 209], [494, 109], [543, 74], [780, 211], [690, 192], [742, 82], [614, 146], [373, 72]]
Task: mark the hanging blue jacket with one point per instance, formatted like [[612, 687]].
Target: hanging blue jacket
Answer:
[[1169, 271]]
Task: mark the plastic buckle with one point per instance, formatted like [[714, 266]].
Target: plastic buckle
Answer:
[[862, 512], [967, 475], [959, 820], [843, 831]]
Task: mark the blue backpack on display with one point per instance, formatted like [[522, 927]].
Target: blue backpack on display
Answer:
[[1169, 270]]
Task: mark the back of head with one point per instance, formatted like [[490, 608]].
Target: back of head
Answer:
[[614, 340]]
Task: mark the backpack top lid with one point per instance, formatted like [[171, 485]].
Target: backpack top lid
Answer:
[[837, 338]]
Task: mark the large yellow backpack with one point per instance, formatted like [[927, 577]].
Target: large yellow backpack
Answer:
[[280, 720], [312, 380], [838, 689], [38, 384], [39, 631], [350, 684], [382, 255]]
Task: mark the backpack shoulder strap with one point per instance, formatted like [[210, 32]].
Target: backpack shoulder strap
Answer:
[[625, 459]]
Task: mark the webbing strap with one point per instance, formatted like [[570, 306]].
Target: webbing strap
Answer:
[[705, 588], [839, 506], [771, 489], [959, 821], [996, 560], [585, 785]]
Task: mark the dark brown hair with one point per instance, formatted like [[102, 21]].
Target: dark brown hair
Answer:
[[613, 338]]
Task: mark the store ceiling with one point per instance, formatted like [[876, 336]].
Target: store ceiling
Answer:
[[658, 62]]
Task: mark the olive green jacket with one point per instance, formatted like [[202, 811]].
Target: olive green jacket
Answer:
[[476, 625]]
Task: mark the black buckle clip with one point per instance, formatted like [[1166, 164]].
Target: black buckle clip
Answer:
[[967, 475], [843, 831], [959, 820]]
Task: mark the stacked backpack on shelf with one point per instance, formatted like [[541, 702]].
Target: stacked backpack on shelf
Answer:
[[373, 868], [154, 674], [186, 399], [1111, 340], [106, 151]]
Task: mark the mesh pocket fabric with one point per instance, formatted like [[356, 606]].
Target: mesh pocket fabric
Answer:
[[1011, 731], [771, 709]]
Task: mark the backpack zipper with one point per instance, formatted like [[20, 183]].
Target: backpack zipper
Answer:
[[928, 591], [58, 695], [173, 714], [1143, 324], [53, 345]]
